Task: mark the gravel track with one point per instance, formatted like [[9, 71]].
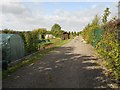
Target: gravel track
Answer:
[[71, 66]]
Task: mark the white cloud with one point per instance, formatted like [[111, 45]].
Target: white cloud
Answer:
[[18, 17], [93, 6]]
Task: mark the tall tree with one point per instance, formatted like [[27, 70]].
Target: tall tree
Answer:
[[56, 27], [105, 15], [56, 30]]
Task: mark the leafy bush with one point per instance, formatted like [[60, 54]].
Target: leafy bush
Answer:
[[107, 46]]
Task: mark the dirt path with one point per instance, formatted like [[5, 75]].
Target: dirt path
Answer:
[[70, 66]]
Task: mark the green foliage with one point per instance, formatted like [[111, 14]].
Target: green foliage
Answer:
[[57, 33], [31, 39], [41, 31], [56, 30], [75, 33], [8, 31], [56, 27], [88, 32], [107, 45], [110, 49], [105, 16]]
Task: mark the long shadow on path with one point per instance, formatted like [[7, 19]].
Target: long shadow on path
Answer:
[[60, 69]]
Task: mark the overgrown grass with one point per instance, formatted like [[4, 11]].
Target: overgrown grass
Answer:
[[35, 57]]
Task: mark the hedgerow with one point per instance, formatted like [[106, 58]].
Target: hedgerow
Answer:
[[108, 44]]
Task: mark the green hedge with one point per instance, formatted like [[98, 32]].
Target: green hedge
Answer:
[[105, 40], [108, 46]]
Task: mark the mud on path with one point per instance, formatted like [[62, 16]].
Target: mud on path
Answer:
[[70, 66]]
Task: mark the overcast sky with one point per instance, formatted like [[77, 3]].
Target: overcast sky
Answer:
[[72, 16]]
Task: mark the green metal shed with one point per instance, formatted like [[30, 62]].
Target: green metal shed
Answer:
[[12, 47]]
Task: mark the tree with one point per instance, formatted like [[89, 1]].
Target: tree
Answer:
[[56, 27], [78, 33], [105, 15], [75, 33], [95, 20], [40, 31], [72, 33], [56, 30], [8, 31]]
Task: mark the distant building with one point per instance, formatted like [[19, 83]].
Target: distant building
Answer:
[[49, 36], [65, 36]]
